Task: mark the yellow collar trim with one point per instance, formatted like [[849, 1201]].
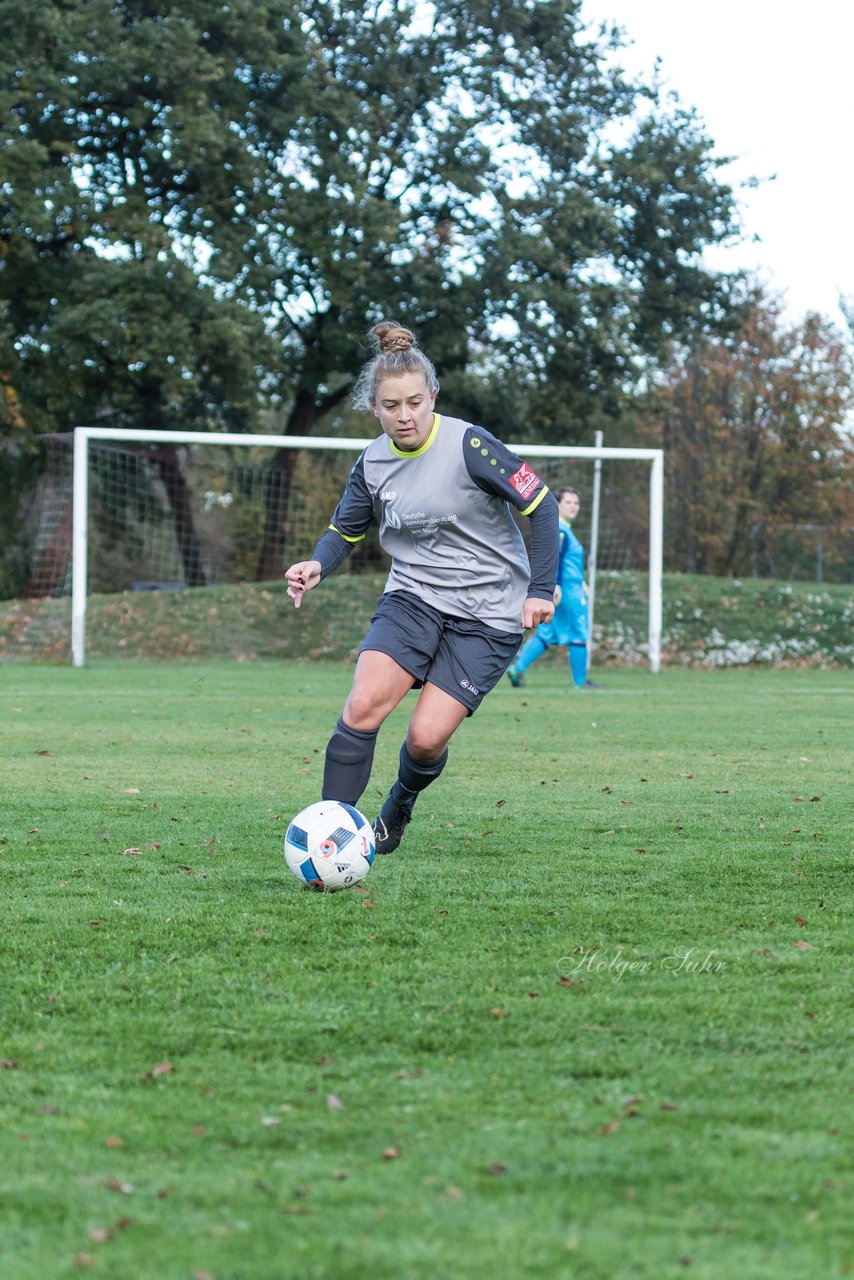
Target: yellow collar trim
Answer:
[[416, 453]]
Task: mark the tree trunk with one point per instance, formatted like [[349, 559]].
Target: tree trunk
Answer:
[[273, 557], [165, 457], [49, 567]]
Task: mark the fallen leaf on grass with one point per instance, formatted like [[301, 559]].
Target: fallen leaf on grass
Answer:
[[801, 921], [497, 1169], [114, 1141], [499, 804], [391, 1153], [129, 853], [668, 1106], [804, 946], [132, 791], [498, 1013], [84, 1260], [333, 1102], [159, 1069], [123, 1188], [611, 1127], [9, 1064]]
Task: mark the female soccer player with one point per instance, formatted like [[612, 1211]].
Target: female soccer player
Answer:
[[570, 625], [461, 588]]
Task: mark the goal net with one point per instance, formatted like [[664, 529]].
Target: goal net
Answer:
[[129, 511]]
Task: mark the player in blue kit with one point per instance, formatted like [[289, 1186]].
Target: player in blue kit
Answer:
[[570, 625], [461, 589]]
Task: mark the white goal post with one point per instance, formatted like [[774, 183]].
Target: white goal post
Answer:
[[80, 491]]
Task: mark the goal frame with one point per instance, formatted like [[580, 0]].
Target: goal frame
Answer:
[[139, 435]]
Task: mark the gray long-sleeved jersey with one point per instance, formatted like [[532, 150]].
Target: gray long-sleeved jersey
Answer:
[[444, 519]]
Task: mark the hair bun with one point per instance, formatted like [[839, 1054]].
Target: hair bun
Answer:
[[392, 337]]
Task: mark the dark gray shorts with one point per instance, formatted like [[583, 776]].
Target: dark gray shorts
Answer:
[[462, 657]]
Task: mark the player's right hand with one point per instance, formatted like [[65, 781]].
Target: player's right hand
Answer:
[[302, 577]]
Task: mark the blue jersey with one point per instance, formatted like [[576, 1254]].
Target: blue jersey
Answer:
[[570, 573], [570, 624]]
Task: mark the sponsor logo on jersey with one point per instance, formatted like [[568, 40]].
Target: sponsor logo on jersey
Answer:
[[388, 495], [392, 519], [525, 481]]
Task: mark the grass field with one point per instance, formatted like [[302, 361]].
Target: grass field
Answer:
[[592, 1020]]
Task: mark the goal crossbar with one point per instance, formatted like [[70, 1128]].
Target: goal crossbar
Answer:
[[83, 435]]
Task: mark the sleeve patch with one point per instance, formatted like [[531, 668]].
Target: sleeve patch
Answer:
[[525, 481]]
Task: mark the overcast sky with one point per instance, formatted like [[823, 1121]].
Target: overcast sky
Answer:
[[773, 83]]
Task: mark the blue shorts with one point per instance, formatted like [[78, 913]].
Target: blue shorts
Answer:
[[571, 621], [461, 656]]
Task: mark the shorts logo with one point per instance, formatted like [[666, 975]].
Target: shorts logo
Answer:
[[467, 684], [525, 481]]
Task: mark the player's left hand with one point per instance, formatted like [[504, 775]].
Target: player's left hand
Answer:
[[535, 611]]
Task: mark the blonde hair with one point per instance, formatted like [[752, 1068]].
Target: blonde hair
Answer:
[[397, 353]]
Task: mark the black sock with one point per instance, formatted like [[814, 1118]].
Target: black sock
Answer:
[[349, 757], [413, 776]]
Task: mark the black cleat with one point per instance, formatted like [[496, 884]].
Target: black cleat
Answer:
[[516, 678], [393, 818]]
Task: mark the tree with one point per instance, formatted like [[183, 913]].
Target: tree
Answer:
[[754, 430], [477, 169]]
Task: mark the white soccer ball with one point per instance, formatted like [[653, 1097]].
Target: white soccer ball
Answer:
[[329, 845]]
